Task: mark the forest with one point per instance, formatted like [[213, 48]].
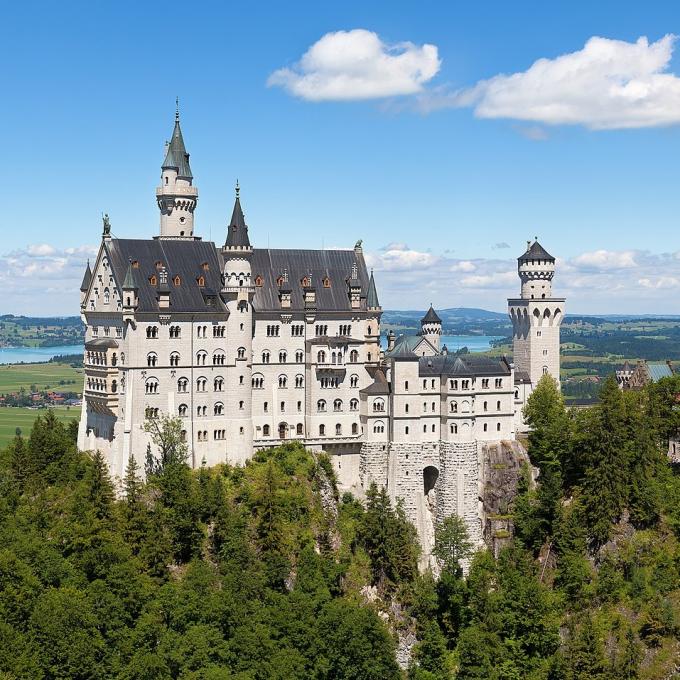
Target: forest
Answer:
[[267, 571]]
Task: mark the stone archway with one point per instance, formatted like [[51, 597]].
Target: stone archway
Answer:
[[430, 476]]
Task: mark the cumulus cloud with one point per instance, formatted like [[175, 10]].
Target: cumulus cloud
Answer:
[[43, 279], [357, 64], [500, 246], [399, 257], [606, 259], [463, 266], [608, 84]]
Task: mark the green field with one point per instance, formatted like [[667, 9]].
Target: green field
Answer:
[[11, 418], [44, 376]]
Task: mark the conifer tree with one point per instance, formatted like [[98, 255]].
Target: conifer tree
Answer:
[[452, 543]]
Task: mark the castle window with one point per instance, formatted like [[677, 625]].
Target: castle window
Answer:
[[114, 386], [499, 383], [177, 281], [424, 428], [182, 385], [283, 381], [406, 430], [306, 282], [159, 265], [498, 427], [259, 281], [298, 430], [338, 429], [326, 282], [433, 407], [265, 407], [135, 264], [205, 266], [486, 406], [486, 427], [453, 407], [353, 357], [258, 381], [299, 407], [354, 405], [241, 353], [265, 430], [174, 359], [299, 381], [183, 410], [406, 408], [219, 358], [175, 331], [321, 357], [151, 359], [218, 384], [200, 281], [279, 281], [433, 428], [379, 405], [545, 370], [283, 409], [406, 385], [322, 430], [355, 428], [218, 409], [241, 405], [299, 357], [151, 332], [321, 405], [201, 384], [107, 296], [485, 383], [151, 386], [282, 357], [150, 412], [201, 357], [454, 429], [153, 280], [337, 405], [498, 406]]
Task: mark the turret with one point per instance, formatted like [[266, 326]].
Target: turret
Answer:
[[536, 268], [431, 327], [176, 196], [130, 290], [85, 285]]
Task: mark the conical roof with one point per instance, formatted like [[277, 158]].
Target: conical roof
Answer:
[[535, 251], [372, 295], [87, 279], [237, 235], [176, 155], [430, 317], [130, 282]]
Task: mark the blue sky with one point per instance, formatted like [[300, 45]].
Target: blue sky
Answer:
[[444, 166]]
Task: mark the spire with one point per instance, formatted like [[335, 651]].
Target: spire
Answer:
[[87, 278], [372, 295], [431, 316], [130, 282], [176, 155], [237, 234], [535, 251]]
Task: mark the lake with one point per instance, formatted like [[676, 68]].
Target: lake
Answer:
[[475, 343], [34, 355]]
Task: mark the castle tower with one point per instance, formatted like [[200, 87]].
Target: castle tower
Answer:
[[536, 316], [176, 196], [431, 327], [238, 292]]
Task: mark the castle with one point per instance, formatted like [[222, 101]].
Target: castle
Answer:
[[251, 347]]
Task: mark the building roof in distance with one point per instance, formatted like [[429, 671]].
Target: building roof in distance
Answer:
[[431, 317]]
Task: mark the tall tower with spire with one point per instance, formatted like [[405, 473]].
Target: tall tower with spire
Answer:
[[536, 316], [176, 196], [238, 292], [431, 327]]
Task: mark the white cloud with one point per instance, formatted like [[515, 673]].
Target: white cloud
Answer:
[[41, 250], [464, 266], [357, 64], [493, 280], [606, 259], [399, 257], [660, 283], [608, 84]]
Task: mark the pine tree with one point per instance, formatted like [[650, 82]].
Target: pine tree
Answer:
[[100, 487], [627, 664], [452, 543], [135, 514]]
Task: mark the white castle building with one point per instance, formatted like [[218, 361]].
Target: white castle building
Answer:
[[251, 347]]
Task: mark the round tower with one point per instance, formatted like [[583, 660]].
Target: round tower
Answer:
[[238, 292], [431, 327], [176, 196], [536, 317]]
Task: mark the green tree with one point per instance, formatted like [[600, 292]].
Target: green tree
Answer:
[[452, 543], [166, 434], [100, 487]]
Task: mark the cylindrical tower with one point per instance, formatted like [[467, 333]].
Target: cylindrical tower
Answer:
[[176, 196], [431, 327], [536, 268], [238, 291]]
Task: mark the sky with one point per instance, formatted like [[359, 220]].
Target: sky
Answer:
[[443, 134]]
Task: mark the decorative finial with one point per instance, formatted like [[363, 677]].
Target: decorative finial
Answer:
[[535, 238], [176, 109], [237, 188], [107, 224]]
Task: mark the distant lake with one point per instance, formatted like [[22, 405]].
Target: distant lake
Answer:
[[475, 343], [34, 355]]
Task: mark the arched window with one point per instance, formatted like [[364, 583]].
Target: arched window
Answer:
[[201, 384], [201, 357], [337, 405], [265, 357], [354, 380], [298, 430], [107, 296], [114, 386], [321, 357], [322, 430], [486, 406], [218, 409], [218, 384], [265, 430], [241, 353], [177, 281], [299, 381], [379, 427], [174, 359], [182, 385], [151, 332], [183, 410], [355, 428], [321, 405], [354, 405], [338, 429], [282, 357], [283, 381], [114, 359], [378, 405], [219, 358], [353, 356], [151, 386], [498, 406], [151, 359], [453, 407], [258, 381], [201, 281], [454, 429], [299, 357], [259, 281]]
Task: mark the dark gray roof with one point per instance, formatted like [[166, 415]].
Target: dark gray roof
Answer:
[[372, 295], [379, 384], [536, 251], [466, 365], [522, 378], [101, 343], [87, 278], [130, 282], [237, 232], [176, 156], [336, 265], [431, 316], [185, 259]]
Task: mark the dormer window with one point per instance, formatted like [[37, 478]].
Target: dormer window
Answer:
[[153, 280], [205, 266], [306, 282], [279, 281], [159, 265], [201, 281], [177, 281], [259, 281], [326, 282], [135, 264]]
